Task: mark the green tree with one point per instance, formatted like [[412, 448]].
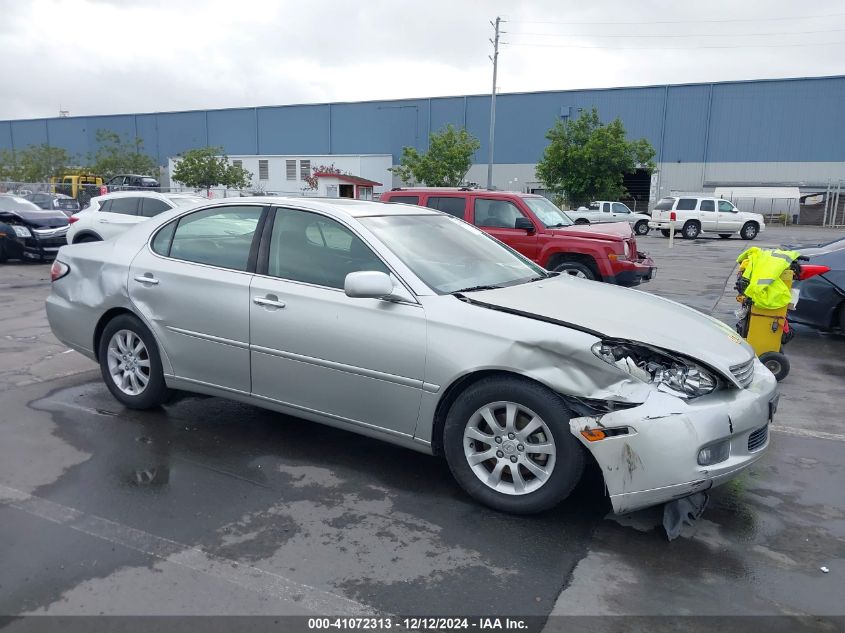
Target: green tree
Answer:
[[586, 160], [446, 162], [117, 155], [36, 163], [208, 167]]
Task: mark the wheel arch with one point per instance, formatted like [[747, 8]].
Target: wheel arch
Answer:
[[556, 259], [86, 233], [464, 382]]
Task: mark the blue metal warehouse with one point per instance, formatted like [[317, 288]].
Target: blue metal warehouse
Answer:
[[744, 133]]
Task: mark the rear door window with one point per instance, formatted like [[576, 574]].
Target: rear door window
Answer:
[[448, 204], [151, 207], [405, 199], [124, 206], [687, 204], [605, 207], [220, 236], [707, 205]]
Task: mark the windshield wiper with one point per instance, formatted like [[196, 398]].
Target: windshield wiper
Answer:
[[557, 226], [473, 288]]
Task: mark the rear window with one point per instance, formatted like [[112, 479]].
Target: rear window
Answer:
[[664, 205], [687, 204], [405, 199], [448, 204]]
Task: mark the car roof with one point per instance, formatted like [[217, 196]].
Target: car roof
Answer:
[[338, 207], [463, 190]]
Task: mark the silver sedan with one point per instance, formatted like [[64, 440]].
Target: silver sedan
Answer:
[[414, 327]]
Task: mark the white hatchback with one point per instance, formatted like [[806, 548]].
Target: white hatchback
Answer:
[[114, 213]]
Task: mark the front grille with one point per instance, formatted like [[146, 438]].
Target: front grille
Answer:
[[744, 373], [758, 438]]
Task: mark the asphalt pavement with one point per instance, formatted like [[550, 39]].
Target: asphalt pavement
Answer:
[[208, 506]]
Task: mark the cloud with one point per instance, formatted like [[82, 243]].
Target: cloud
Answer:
[[114, 56]]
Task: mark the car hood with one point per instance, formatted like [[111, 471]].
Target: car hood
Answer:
[[40, 218], [605, 230], [615, 312]]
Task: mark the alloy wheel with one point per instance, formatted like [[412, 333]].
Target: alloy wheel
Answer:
[[509, 448], [129, 362]]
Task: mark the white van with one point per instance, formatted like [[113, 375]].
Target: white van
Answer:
[[703, 214]]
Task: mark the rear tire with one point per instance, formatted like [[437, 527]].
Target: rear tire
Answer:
[[665, 232], [131, 365], [777, 363], [576, 269], [725, 236], [691, 230], [749, 231], [514, 478], [641, 227]]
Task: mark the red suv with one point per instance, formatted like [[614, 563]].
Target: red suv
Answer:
[[535, 227]]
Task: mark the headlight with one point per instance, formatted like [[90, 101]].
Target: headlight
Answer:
[[627, 248], [673, 374], [22, 231]]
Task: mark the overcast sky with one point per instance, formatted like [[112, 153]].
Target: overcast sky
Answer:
[[116, 56]]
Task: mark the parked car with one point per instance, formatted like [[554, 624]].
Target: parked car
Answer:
[[535, 227], [59, 201], [821, 302], [701, 214], [81, 187], [113, 213], [132, 182], [607, 211], [27, 232], [408, 325]]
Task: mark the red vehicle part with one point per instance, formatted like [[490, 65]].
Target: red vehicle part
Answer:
[[608, 251]]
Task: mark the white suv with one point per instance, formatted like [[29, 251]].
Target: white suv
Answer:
[[702, 214], [114, 213]]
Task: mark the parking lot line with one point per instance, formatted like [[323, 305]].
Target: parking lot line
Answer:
[[305, 597]]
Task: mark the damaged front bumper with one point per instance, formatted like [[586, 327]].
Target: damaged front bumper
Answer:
[[649, 454]]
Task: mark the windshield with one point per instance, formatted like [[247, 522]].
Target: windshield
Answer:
[[547, 212], [188, 201], [13, 203], [450, 255]]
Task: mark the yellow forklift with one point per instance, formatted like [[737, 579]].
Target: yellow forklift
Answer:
[[765, 294]]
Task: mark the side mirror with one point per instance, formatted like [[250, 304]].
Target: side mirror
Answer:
[[368, 284], [524, 223]]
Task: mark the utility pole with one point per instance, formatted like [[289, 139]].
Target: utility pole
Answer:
[[495, 60]]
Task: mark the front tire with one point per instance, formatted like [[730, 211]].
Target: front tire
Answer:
[[777, 363], [641, 227], [131, 365], [749, 231], [508, 444], [576, 269], [582, 221], [86, 239]]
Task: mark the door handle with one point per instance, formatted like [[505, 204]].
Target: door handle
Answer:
[[269, 301], [103, 221], [147, 280]]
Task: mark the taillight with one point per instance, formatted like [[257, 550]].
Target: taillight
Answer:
[[811, 270], [72, 219], [58, 270]]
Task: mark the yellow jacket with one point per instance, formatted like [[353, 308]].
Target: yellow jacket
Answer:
[[763, 270]]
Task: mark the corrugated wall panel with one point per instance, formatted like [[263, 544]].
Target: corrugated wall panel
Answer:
[[70, 134], [778, 121], [231, 130], [6, 135], [686, 124], [450, 110], [379, 128], [147, 125], [180, 131], [26, 133], [293, 130]]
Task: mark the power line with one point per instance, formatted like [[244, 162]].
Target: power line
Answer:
[[696, 21], [674, 48], [675, 35]]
